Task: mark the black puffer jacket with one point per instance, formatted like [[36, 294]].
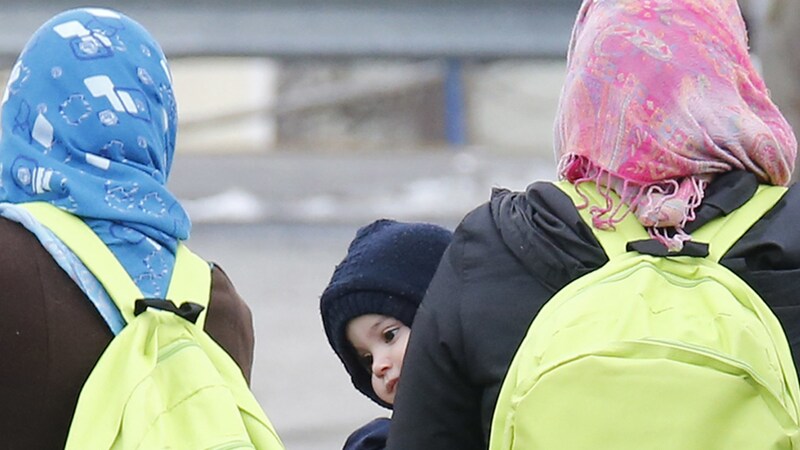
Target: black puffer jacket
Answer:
[[508, 257]]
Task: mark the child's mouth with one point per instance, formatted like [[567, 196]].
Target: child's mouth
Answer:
[[391, 385]]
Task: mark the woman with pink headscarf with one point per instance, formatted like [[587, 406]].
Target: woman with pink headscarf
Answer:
[[663, 115]]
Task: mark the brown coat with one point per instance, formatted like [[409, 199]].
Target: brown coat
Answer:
[[51, 336]]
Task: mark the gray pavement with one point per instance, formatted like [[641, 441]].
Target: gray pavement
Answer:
[[291, 187], [281, 260]]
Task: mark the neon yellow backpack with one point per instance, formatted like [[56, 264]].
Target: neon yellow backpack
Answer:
[[162, 383], [651, 352]]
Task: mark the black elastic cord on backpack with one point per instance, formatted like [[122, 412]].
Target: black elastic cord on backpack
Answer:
[[655, 248], [188, 310]]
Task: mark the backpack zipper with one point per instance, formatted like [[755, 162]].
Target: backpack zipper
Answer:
[[232, 445], [175, 347]]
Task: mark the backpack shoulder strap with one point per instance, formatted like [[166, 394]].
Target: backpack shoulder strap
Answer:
[[94, 254], [191, 281], [613, 240], [722, 232], [191, 278]]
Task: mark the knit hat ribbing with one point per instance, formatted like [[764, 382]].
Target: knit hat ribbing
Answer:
[[386, 271]]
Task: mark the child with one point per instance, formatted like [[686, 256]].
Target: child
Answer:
[[369, 305]]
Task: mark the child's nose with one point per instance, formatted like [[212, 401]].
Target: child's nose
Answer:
[[380, 365]]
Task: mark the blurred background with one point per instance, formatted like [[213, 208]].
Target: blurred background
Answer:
[[301, 120]]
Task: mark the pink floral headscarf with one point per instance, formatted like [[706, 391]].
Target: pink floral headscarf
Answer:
[[659, 96]]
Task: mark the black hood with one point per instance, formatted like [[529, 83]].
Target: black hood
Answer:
[[542, 228]]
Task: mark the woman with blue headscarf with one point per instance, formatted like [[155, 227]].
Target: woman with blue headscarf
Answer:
[[88, 125]]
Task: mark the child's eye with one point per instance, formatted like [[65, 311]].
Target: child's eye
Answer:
[[366, 361], [389, 335]]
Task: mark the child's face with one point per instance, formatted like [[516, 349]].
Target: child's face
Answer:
[[380, 342]]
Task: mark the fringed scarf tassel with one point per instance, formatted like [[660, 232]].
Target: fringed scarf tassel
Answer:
[[663, 208]]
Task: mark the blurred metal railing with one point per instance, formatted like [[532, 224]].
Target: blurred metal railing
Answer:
[[452, 31], [334, 28]]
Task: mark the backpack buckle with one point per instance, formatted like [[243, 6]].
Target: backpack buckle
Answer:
[[653, 247], [188, 310]]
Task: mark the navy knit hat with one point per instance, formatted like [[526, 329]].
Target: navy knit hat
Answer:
[[386, 271]]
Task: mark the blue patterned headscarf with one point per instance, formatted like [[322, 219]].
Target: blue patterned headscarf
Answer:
[[88, 125]]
